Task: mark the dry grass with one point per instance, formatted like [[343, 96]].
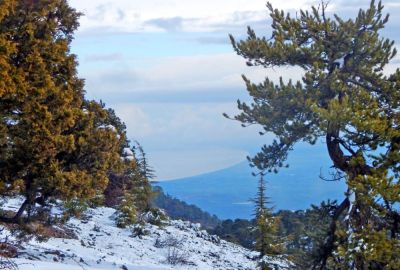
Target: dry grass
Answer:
[[8, 250], [43, 231]]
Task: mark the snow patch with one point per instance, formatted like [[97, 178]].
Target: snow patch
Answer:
[[102, 246]]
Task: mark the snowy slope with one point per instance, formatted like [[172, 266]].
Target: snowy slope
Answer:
[[101, 245]]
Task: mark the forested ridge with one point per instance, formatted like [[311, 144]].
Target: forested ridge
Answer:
[[301, 233], [178, 209]]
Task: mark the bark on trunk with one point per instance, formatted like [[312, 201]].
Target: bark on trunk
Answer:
[[17, 218]]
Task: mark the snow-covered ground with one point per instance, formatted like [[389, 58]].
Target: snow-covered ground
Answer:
[[101, 245]]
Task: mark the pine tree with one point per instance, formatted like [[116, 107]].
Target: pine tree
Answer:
[[267, 226], [131, 180], [127, 214], [141, 186], [345, 99], [54, 143], [146, 170]]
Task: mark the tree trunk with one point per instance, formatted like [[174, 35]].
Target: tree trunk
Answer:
[[358, 214], [331, 239], [26, 205], [17, 218]]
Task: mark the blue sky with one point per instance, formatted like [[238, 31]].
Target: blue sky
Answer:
[[167, 68]]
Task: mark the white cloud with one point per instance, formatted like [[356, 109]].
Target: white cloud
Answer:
[[127, 15], [104, 57], [163, 123], [198, 72], [217, 72], [227, 16], [138, 122]]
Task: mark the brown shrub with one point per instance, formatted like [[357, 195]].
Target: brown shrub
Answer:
[[44, 232], [8, 250]]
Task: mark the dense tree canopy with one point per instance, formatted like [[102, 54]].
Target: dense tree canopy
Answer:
[[53, 142], [347, 99]]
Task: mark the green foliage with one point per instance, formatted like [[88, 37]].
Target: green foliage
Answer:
[[127, 213], [239, 231], [267, 242], [177, 209], [155, 216], [139, 230], [135, 187], [145, 169], [141, 187], [129, 192], [74, 208], [345, 99], [301, 234], [305, 232]]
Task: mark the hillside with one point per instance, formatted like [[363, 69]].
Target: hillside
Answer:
[[178, 209], [96, 243]]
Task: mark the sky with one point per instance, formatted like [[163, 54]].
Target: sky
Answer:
[[167, 68]]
